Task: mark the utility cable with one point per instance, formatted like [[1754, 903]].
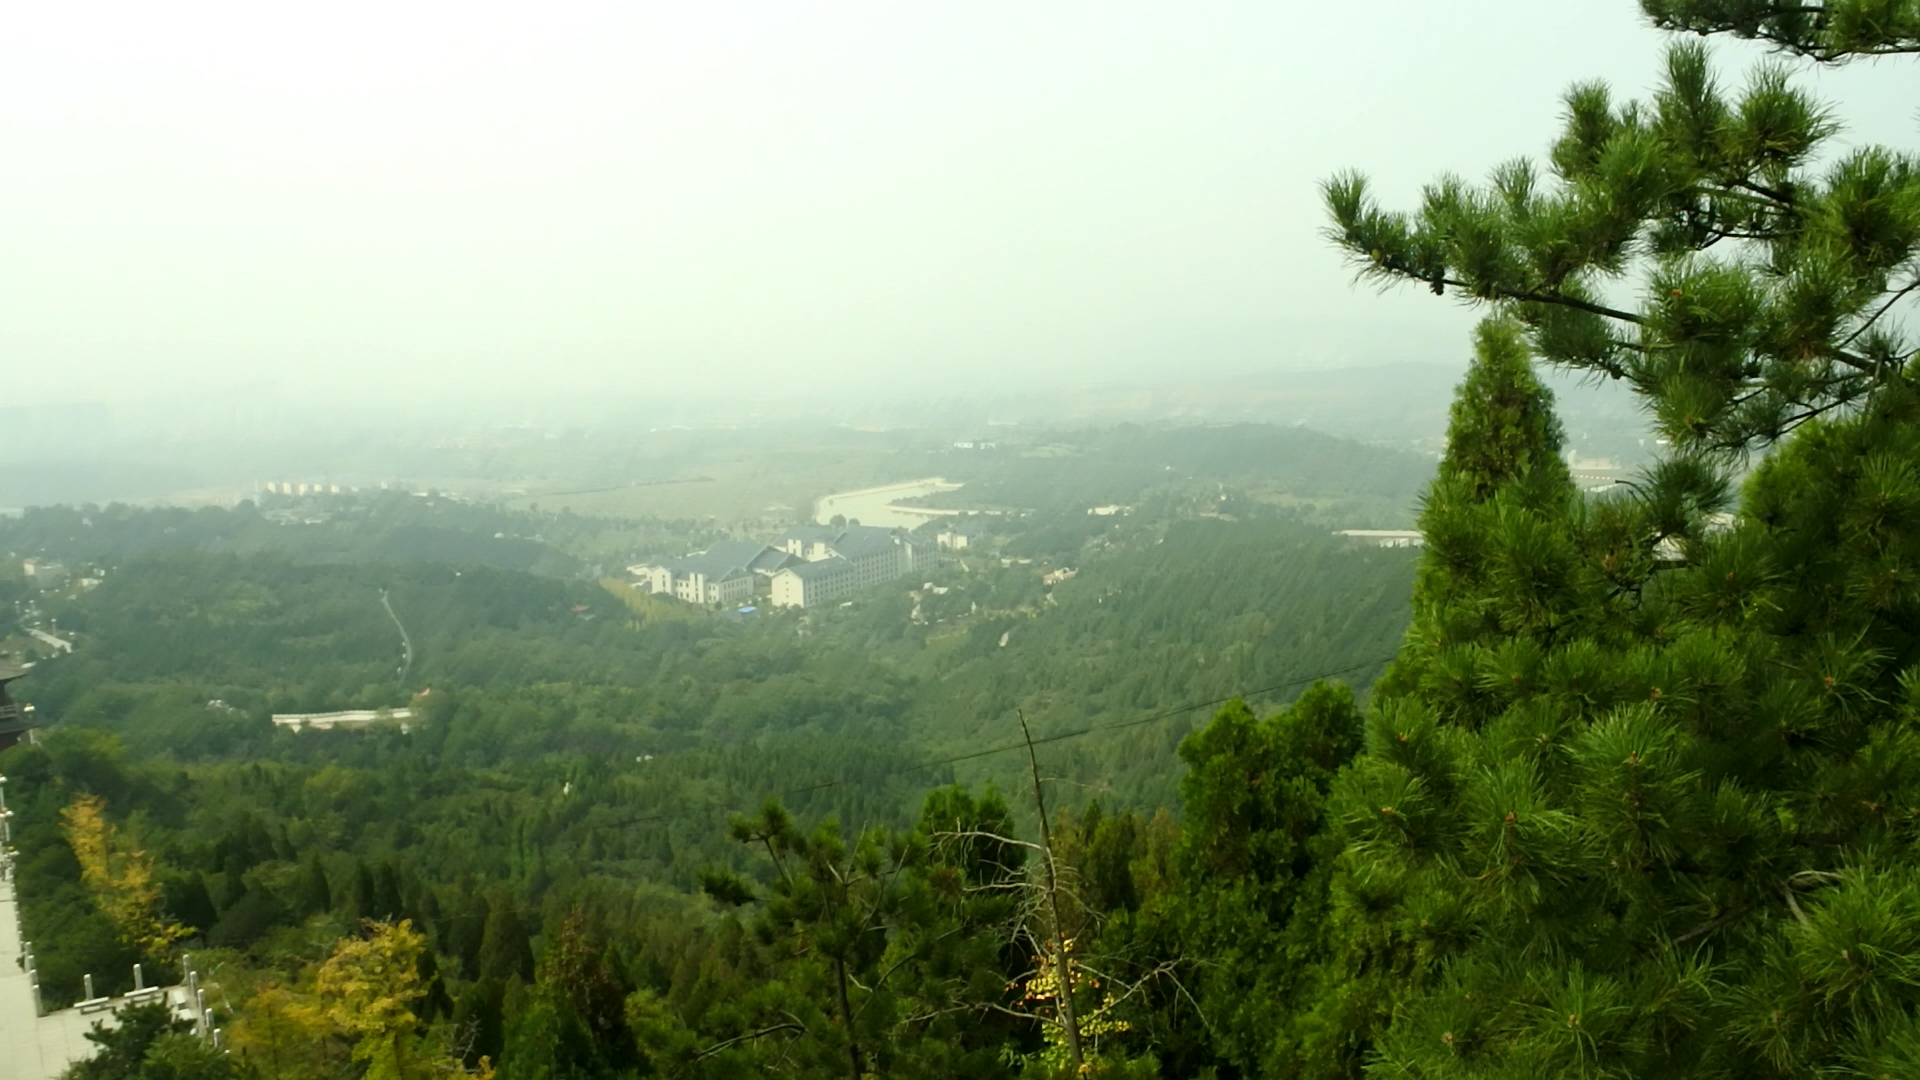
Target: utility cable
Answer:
[[925, 765], [1006, 748]]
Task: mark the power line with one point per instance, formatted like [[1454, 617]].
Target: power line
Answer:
[[1061, 737]]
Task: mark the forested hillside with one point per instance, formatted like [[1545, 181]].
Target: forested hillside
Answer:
[[1348, 482], [578, 751], [1114, 793]]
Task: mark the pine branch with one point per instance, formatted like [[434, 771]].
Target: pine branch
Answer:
[[1898, 296], [748, 1037]]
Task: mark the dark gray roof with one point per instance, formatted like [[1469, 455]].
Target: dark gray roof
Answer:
[[825, 568], [10, 671], [726, 559], [736, 552], [769, 560], [860, 540]]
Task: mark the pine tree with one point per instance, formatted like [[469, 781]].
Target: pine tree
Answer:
[[1765, 289], [506, 951], [1639, 797], [1834, 31], [574, 1024], [316, 898], [147, 1043], [1498, 561], [1256, 859]]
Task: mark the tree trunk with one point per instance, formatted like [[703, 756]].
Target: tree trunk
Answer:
[[846, 1017], [1062, 970]]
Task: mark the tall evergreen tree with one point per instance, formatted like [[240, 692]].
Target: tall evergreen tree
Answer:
[[1256, 858], [1765, 288], [1638, 797], [315, 898], [506, 951]]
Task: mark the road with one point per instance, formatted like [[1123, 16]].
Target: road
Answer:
[[406, 643]]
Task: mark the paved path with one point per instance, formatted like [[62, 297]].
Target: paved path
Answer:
[[62, 644], [406, 643], [31, 1048], [38, 1048]]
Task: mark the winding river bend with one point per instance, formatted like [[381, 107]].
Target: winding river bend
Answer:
[[878, 505]]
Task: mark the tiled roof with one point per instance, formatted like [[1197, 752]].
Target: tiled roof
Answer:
[[817, 571], [769, 560], [860, 540], [726, 559]]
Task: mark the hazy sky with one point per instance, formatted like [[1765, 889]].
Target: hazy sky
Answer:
[[351, 199]]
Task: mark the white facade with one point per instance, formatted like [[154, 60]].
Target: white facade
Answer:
[[814, 583], [698, 588], [723, 574], [843, 561]]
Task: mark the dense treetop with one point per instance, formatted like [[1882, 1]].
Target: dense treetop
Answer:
[[1765, 278], [1639, 795], [1833, 32]]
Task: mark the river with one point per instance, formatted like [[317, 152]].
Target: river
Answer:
[[876, 505]]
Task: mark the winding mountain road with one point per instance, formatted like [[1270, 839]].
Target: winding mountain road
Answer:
[[406, 642]]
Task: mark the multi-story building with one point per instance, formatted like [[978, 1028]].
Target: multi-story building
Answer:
[[960, 535], [807, 565], [833, 562], [725, 573], [810, 584]]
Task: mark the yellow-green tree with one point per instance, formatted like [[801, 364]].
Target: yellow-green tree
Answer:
[[366, 991], [120, 877], [279, 1031]]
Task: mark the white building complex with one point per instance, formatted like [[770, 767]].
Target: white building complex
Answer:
[[723, 574], [828, 563], [807, 565]]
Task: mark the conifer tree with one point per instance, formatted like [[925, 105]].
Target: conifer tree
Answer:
[[1256, 858], [1639, 797], [1832, 31], [1765, 288], [316, 898], [1498, 562], [506, 951], [574, 1022]]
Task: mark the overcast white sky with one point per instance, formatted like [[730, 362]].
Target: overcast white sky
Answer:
[[622, 198]]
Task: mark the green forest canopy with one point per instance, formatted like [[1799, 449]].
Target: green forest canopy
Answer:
[[1637, 797]]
